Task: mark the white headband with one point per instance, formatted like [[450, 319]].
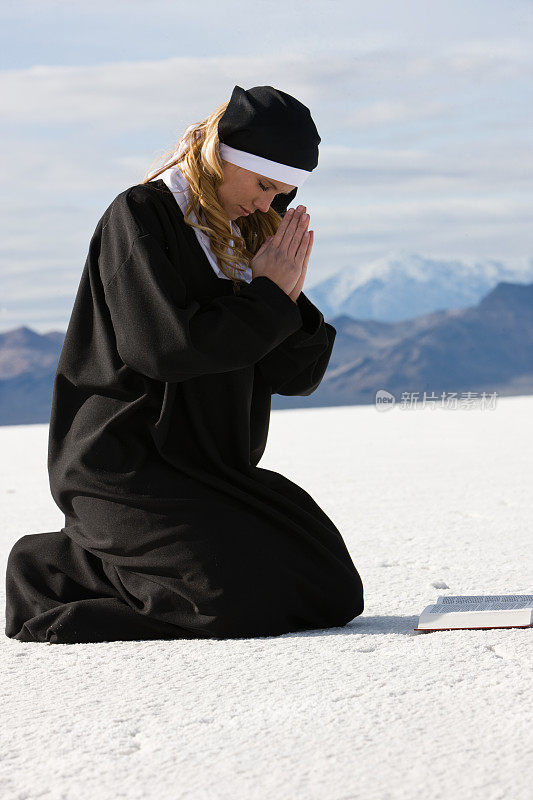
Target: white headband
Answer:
[[270, 169]]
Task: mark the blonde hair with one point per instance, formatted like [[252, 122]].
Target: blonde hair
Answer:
[[201, 164]]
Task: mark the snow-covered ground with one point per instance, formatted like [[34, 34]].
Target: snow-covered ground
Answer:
[[429, 502]]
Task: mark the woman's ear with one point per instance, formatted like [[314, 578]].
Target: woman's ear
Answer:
[[281, 201]]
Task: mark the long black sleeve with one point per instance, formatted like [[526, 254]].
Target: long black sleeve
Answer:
[[297, 365], [164, 337]]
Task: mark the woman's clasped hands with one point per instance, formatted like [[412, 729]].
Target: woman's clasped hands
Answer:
[[284, 257]]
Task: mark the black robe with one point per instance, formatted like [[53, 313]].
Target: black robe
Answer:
[[160, 415]]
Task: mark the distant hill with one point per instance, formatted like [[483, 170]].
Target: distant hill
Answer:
[[28, 361], [487, 347]]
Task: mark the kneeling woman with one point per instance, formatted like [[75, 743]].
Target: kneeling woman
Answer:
[[184, 325]]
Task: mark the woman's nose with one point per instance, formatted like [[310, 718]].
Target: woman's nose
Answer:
[[263, 204]]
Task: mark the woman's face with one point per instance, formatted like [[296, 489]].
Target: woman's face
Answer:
[[243, 189]]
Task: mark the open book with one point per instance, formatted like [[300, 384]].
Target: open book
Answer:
[[477, 611]]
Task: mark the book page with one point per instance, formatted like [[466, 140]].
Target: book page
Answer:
[[445, 604]]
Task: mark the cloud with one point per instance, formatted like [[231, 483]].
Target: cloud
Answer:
[[126, 93], [424, 149]]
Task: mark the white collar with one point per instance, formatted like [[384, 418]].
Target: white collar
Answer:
[[180, 188]]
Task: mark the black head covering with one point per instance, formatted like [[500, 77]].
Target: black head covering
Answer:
[[273, 125]]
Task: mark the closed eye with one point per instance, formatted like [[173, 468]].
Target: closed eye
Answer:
[[266, 188]]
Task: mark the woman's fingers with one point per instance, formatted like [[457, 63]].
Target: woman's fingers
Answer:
[[283, 225], [285, 233], [309, 237], [298, 236], [292, 237], [310, 241], [304, 250]]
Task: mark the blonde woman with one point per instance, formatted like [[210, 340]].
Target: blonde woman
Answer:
[[189, 316]]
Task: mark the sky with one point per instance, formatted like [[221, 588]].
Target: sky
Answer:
[[424, 111]]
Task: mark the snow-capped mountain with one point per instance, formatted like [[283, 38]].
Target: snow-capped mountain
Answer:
[[404, 285]]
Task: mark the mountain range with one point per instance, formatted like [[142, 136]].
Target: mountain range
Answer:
[[484, 348], [487, 347]]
